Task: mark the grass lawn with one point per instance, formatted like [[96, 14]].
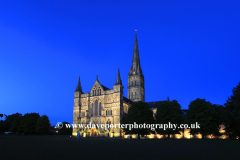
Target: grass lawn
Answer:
[[64, 147]]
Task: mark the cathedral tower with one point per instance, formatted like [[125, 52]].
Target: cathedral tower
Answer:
[[136, 89], [77, 106]]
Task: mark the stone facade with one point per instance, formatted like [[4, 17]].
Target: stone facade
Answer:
[[100, 106]]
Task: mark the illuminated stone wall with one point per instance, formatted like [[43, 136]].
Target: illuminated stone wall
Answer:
[[111, 101]]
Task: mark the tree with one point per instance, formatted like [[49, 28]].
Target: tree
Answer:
[[232, 121], [218, 118], [221, 113], [16, 124], [1, 115], [169, 111], [140, 114], [10, 119], [43, 125], [3, 127], [204, 113], [28, 123], [65, 130]]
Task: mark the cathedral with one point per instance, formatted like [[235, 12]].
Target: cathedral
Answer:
[[106, 106]]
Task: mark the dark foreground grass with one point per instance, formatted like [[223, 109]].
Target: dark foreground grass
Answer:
[[62, 147]]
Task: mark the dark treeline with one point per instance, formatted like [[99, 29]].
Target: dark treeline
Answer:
[[208, 115], [31, 123]]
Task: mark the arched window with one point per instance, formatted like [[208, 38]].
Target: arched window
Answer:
[[109, 123], [96, 107], [93, 92], [132, 96], [100, 109], [91, 110], [100, 91], [135, 95]]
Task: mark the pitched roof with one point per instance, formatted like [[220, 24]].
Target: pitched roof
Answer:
[[127, 100], [154, 104], [105, 88]]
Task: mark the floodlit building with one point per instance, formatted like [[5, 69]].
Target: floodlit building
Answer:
[[106, 106]]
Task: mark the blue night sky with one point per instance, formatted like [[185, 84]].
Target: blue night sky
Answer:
[[188, 50]]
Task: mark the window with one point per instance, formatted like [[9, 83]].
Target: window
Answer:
[[91, 110], [96, 107], [132, 83], [135, 95], [132, 96], [108, 112], [109, 123], [100, 91], [135, 83], [100, 108]]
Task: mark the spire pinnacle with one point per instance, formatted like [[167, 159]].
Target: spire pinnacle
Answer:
[[135, 37], [136, 68], [118, 80], [79, 88]]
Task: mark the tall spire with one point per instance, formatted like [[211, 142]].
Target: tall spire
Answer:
[[79, 88], [136, 89], [118, 80], [136, 61]]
